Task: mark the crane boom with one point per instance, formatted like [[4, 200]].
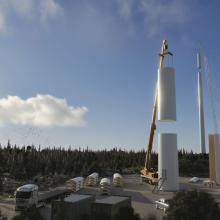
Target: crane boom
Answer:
[[146, 171]]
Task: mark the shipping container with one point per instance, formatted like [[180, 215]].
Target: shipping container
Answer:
[[75, 207], [109, 207]]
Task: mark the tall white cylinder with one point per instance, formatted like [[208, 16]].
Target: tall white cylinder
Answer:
[[168, 162], [201, 115], [166, 94]]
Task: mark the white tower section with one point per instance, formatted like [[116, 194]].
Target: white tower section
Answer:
[[168, 167], [200, 106], [166, 95]]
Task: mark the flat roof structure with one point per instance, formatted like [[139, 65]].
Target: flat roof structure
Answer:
[[112, 200], [76, 198]]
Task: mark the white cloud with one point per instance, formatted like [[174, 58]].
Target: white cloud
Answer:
[[49, 8], [21, 7], [2, 22], [41, 110], [41, 10], [159, 14], [125, 8], [156, 14]]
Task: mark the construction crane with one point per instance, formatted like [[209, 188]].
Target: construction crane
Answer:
[[149, 174]]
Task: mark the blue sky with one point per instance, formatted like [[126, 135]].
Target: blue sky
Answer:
[[101, 56]]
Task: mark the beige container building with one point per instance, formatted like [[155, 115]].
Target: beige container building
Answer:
[[212, 166], [214, 159]]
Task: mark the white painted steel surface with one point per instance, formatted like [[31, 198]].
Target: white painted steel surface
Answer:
[[201, 114], [166, 94], [168, 161]]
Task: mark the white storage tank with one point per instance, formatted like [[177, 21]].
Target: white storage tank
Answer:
[[117, 180], [75, 184], [168, 168], [105, 185], [166, 94]]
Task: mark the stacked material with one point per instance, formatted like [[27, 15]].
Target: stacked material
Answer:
[[117, 180], [92, 179], [105, 185], [75, 184]]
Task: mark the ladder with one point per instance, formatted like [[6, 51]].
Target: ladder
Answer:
[[158, 185], [160, 182]]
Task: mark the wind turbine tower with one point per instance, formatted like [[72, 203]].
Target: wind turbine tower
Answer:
[[200, 106]]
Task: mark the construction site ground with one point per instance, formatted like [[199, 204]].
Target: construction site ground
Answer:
[[143, 200]]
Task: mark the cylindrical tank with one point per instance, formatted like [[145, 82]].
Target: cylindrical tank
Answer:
[[166, 94], [168, 162]]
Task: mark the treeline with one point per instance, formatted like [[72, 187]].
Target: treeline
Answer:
[[192, 164], [28, 161]]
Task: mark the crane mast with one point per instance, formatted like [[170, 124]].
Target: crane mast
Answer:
[[146, 172]]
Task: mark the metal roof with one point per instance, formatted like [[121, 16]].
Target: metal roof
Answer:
[[28, 188], [76, 197], [112, 200]]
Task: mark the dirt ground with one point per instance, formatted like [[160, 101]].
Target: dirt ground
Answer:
[[143, 200]]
